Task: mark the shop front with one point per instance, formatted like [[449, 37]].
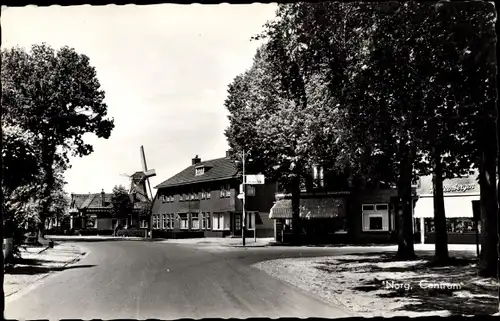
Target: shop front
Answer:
[[461, 202], [322, 219]]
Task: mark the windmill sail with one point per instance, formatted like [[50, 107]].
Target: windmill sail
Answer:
[[147, 173]]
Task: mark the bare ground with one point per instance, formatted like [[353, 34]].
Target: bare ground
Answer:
[[377, 285]]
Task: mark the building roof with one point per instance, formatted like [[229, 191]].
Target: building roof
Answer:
[[90, 201], [215, 169]]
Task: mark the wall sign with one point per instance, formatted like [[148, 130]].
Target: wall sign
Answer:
[[466, 184], [457, 188]]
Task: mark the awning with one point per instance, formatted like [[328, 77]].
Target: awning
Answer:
[[309, 208], [454, 206]]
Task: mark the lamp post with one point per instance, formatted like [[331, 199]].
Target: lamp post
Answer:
[[244, 218], [244, 197]]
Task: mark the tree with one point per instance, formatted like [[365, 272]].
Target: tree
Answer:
[[20, 166], [330, 39], [122, 205], [55, 96], [270, 121]]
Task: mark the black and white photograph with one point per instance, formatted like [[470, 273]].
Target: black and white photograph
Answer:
[[261, 160]]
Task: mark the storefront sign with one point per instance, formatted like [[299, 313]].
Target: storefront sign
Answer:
[[465, 185], [457, 188]]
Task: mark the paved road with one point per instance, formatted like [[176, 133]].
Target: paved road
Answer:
[[130, 279]]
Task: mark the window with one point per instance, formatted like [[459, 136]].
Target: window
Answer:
[[144, 224], [155, 221], [170, 221], [375, 217], [318, 175], [199, 171], [225, 190], [208, 221], [203, 194], [184, 221], [191, 197], [171, 198], [195, 221], [163, 198], [181, 197], [368, 207], [203, 221], [375, 223], [250, 190], [250, 216], [165, 221], [217, 221], [208, 194]]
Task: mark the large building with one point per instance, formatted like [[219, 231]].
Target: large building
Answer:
[[202, 201]]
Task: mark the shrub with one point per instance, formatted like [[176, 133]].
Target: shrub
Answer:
[[134, 232]]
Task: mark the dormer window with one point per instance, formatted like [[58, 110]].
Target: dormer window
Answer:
[[199, 171]]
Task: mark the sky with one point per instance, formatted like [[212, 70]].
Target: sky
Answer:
[[165, 71]]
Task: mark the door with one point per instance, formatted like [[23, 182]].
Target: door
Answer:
[[237, 223]]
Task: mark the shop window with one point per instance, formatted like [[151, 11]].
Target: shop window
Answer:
[[375, 223], [375, 217]]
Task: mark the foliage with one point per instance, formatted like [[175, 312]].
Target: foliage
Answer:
[[54, 97], [122, 205]]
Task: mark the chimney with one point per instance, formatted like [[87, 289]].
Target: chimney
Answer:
[[103, 202], [196, 160], [229, 153]]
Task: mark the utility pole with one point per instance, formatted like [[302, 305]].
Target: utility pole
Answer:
[[244, 198]]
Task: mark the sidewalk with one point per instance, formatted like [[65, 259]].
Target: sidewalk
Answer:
[[37, 263], [90, 238], [222, 242]]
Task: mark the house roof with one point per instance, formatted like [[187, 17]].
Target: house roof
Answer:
[[90, 201], [216, 169]]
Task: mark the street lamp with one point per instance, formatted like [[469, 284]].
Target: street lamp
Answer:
[[243, 160]]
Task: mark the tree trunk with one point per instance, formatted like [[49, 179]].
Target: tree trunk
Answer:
[[2, 293], [48, 185], [295, 189], [405, 228], [489, 205], [441, 246]]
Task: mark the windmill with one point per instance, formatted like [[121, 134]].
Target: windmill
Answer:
[[140, 179]]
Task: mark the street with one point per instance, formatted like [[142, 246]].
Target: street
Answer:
[[129, 279]]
